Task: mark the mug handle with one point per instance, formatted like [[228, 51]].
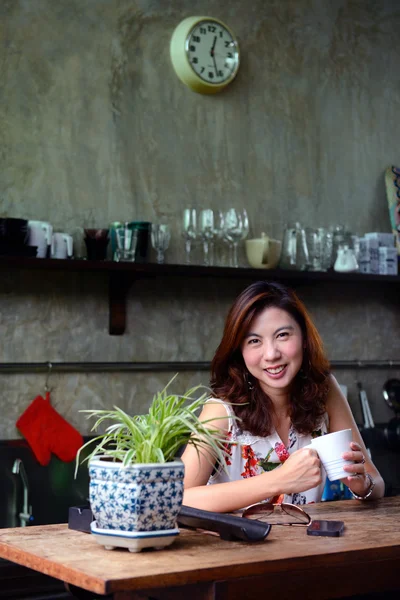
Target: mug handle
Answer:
[[48, 230], [52, 244], [265, 258], [68, 241]]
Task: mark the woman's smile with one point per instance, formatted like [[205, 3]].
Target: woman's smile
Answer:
[[275, 371]]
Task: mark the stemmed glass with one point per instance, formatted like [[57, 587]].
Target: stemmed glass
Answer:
[[218, 234], [189, 231], [208, 232], [236, 228], [160, 237]]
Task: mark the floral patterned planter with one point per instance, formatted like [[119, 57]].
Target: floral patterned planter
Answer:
[[138, 498]]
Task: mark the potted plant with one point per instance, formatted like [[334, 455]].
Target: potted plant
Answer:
[[136, 479]]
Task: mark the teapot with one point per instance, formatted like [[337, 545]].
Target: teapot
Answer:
[[346, 261]]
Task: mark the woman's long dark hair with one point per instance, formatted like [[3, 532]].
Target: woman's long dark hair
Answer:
[[230, 377]]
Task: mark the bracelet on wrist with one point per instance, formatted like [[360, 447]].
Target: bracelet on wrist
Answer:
[[369, 492]]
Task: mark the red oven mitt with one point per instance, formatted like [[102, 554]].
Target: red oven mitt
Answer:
[[46, 431]]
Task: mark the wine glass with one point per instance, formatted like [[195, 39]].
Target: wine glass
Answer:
[[160, 237], [245, 222], [207, 232], [218, 236], [234, 230], [189, 231]]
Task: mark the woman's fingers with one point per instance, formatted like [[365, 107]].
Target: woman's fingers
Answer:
[[357, 456]]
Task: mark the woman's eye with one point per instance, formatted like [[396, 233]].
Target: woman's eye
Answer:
[[253, 341], [283, 334]]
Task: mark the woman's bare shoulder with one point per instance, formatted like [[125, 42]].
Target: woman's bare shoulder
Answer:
[[216, 412]]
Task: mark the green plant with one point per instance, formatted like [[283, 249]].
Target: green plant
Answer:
[[155, 437]]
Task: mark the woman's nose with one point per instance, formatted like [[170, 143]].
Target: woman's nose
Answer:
[[271, 351]]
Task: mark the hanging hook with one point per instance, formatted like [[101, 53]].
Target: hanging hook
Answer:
[[46, 385]]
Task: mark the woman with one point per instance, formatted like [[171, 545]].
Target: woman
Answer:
[[273, 393]]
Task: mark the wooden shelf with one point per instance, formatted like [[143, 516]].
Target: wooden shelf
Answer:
[[122, 275]]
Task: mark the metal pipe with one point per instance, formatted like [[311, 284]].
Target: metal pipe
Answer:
[[104, 367], [94, 367], [19, 469]]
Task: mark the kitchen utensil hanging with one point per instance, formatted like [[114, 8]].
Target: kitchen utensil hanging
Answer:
[[391, 395], [365, 407]]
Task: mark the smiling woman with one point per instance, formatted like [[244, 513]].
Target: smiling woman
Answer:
[[271, 381]]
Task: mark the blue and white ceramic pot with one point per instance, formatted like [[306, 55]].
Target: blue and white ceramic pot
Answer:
[[136, 498]]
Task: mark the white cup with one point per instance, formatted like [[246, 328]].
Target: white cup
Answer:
[[263, 252], [61, 245], [40, 235], [330, 448]]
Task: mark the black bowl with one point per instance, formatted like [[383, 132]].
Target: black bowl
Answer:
[[9, 249], [15, 231]]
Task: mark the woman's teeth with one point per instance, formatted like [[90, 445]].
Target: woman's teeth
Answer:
[[276, 370]]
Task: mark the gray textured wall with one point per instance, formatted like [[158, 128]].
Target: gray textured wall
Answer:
[[96, 127]]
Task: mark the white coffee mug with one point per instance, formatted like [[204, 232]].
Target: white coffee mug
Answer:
[[61, 245], [263, 252], [40, 234], [330, 448]]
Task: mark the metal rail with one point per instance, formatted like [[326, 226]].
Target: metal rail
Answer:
[[107, 367]]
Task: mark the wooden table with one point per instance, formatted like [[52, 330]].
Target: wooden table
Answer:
[[288, 564]]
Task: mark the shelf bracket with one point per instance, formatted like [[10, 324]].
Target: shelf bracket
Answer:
[[119, 284]]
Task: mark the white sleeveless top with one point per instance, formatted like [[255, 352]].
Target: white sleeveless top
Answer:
[[250, 455]]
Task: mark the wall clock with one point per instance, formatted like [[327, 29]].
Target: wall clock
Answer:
[[205, 54]]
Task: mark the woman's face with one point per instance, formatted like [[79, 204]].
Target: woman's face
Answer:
[[273, 350]]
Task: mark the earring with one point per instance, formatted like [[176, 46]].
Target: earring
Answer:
[[303, 372], [249, 382]]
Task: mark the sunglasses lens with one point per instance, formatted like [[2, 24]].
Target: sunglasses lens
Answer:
[[295, 513], [261, 512]]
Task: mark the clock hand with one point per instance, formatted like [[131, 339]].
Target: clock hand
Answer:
[[213, 46], [212, 53]]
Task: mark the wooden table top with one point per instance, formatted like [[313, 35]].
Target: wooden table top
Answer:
[[372, 529]]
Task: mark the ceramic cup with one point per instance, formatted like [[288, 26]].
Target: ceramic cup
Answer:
[[96, 241], [263, 252], [61, 245], [40, 235], [330, 448]]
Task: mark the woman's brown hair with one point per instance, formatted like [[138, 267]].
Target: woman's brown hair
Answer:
[[231, 381]]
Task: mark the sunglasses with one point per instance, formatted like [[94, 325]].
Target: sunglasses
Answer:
[[262, 511]]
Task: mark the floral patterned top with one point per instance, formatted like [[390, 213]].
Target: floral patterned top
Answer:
[[250, 455]]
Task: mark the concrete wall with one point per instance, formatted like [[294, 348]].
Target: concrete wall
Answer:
[[96, 127]]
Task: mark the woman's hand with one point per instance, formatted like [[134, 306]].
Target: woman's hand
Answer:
[[356, 455], [357, 482], [300, 472]]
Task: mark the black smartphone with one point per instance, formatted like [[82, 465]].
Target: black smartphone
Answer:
[[328, 528]]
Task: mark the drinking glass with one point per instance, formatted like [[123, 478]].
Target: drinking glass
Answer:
[[326, 249], [236, 228], [314, 238], [126, 243], [207, 233], [189, 231], [160, 237]]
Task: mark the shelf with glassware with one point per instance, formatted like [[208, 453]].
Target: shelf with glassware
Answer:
[[121, 276]]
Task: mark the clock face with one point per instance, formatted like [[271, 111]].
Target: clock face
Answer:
[[212, 52]]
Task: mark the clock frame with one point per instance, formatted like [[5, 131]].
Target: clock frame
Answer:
[[205, 54]]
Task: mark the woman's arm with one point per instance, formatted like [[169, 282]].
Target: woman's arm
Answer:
[[341, 417], [300, 472]]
